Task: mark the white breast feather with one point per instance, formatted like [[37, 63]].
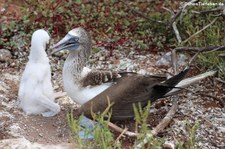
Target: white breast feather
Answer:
[[82, 94]]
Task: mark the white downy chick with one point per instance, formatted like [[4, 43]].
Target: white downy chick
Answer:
[[36, 91]]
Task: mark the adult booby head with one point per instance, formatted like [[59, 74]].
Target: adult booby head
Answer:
[[129, 89], [75, 75], [76, 40]]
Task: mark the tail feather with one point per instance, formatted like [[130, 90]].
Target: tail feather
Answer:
[[188, 82], [177, 78]]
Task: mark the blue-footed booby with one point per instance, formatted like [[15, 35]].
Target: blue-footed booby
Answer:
[[36, 91], [92, 88]]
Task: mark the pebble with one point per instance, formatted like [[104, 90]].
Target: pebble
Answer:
[[166, 60], [5, 55], [102, 58], [40, 134], [142, 72], [169, 145]]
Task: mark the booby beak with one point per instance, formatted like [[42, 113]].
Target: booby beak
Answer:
[[69, 42]]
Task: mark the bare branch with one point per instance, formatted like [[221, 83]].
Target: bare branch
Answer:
[[193, 58], [176, 32], [200, 30], [118, 138], [200, 49], [174, 25], [179, 12], [218, 9], [118, 129], [174, 61]]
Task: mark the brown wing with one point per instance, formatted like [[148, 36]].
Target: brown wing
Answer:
[[129, 90], [96, 77]]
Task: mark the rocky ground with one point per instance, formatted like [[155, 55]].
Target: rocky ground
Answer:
[[202, 108], [18, 130]]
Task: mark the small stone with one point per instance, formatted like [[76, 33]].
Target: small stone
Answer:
[[5, 55], [142, 72], [102, 58], [168, 145], [164, 60], [182, 59], [40, 134]]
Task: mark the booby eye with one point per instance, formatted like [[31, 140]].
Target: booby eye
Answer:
[[74, 39]]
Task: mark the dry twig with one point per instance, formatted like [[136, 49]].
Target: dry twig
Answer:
[[174, 25], [205, 27], [200, 49], [218, 9], [194, 49], [120, 130], [118, 138], [174, 61], [179, 12]]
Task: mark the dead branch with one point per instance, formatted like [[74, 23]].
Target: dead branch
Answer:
[[120, 130], [174, 25], [220, 80], [177, 33], [193, 58], [166, 120], [179, 12], [174, 61], [217, 49], [205, 27], [118, 138], [218, 9], [194, 49], [173, 19], [200, 49], [163, 124]]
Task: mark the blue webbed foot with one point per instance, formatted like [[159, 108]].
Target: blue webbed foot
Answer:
[[89, 125], [48, 114]]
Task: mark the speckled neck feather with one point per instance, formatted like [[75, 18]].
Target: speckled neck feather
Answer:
[[76, 60]]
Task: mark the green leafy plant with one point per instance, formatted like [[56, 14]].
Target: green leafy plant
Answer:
[[212, 61], [191, 142], [103, 137], [141, 116]]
